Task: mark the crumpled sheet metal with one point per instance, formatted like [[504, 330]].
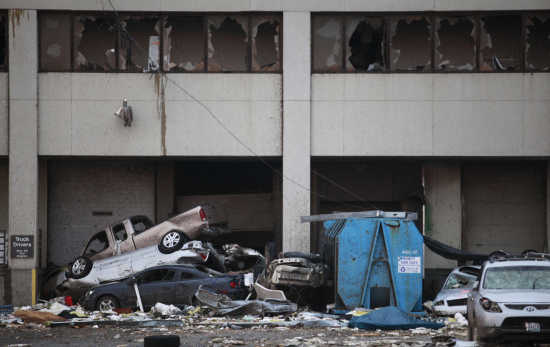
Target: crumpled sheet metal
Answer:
[[223, 305], [296, 271]]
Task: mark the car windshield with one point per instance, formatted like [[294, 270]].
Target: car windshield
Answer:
[[456, 281], [97, 244], [517, 277]]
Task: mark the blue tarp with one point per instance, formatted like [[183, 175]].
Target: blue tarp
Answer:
[[391, 318]]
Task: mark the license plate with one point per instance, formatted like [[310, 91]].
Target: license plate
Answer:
[[532, 327]]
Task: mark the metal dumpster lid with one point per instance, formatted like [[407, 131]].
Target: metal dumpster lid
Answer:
[[359, 214]]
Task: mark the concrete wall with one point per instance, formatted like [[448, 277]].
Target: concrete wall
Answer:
[[78, 188], [279, 5], [76, 115], [430, 114], [3, 114], [504, 206]]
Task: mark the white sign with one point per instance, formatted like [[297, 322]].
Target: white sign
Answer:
[[408, 265]]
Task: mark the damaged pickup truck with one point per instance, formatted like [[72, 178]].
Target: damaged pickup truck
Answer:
[[138, 232]]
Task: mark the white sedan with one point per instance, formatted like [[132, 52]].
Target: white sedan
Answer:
[[122, 266]]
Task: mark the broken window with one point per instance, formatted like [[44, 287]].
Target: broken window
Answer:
[[455, 44], [184, 44], [139, 43], [410, 46], [500, 43], [3, 42], [228, 43], [94, 43], [98, 243], [365, 44], [327, 43], [537, 46], [156, 276], [265, 43], [55, 42]]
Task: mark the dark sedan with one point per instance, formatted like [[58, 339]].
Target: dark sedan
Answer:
[[168, 284]]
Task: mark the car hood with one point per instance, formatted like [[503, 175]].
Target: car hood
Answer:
[[524, 296], [451, 294]]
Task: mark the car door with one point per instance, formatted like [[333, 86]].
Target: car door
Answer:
[[189, 282], [123, 243], [156, 285]]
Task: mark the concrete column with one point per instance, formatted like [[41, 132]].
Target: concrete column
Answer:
[[443, 209], [547, 207], [296, 129], [165, 194], [23, 148]]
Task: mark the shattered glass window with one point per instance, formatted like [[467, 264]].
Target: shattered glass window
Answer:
[[455, 281], [139, 43], [94, 43], [98, 243], [500, 43], [184, 44], [365, 44], [3, 42], [327, 43], [266, 54], [537, 46], [517, 277], [410, 43], [120, 232], [455, 44], [228, 43], [55, 42]]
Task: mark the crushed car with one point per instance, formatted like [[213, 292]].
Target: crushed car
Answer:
[[86, 273], [297, 269], [175, 284], [511, 301], [453, 297], [201, 222]]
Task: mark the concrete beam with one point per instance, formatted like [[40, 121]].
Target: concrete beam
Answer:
[[444, 209], [296, 130], [23, 146]]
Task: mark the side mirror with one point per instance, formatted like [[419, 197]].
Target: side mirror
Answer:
[[132, 280]]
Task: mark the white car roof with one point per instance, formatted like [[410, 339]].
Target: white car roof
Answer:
[[506, 263]]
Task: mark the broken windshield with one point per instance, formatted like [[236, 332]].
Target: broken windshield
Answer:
[[517, 277], [97, 244], [456, 281]]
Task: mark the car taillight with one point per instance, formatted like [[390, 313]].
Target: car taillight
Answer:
[[233, 284], [202, 214], [204, 255]]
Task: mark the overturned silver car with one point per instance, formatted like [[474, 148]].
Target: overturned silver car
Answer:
[[453, 297]]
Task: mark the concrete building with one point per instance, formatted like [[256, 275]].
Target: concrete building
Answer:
[[270, 110]]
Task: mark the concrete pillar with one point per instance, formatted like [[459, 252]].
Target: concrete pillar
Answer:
[[165, 193], [296, 129], [443, 209], [23, 148], [547, 207]]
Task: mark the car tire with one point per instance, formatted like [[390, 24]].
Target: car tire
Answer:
[[172, 241], [107, 303], [161, 341], [80, 267]]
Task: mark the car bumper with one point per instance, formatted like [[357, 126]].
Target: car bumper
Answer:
[[507, 334], [444, 310]]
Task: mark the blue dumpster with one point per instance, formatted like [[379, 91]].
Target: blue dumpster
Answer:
[[376, 258]]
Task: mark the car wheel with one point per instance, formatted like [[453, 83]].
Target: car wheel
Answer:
[[171, 241], [107, 303], [81, 267]]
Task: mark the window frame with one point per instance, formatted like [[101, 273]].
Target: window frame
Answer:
[[162, 17], [6, 66], [434, 16]]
